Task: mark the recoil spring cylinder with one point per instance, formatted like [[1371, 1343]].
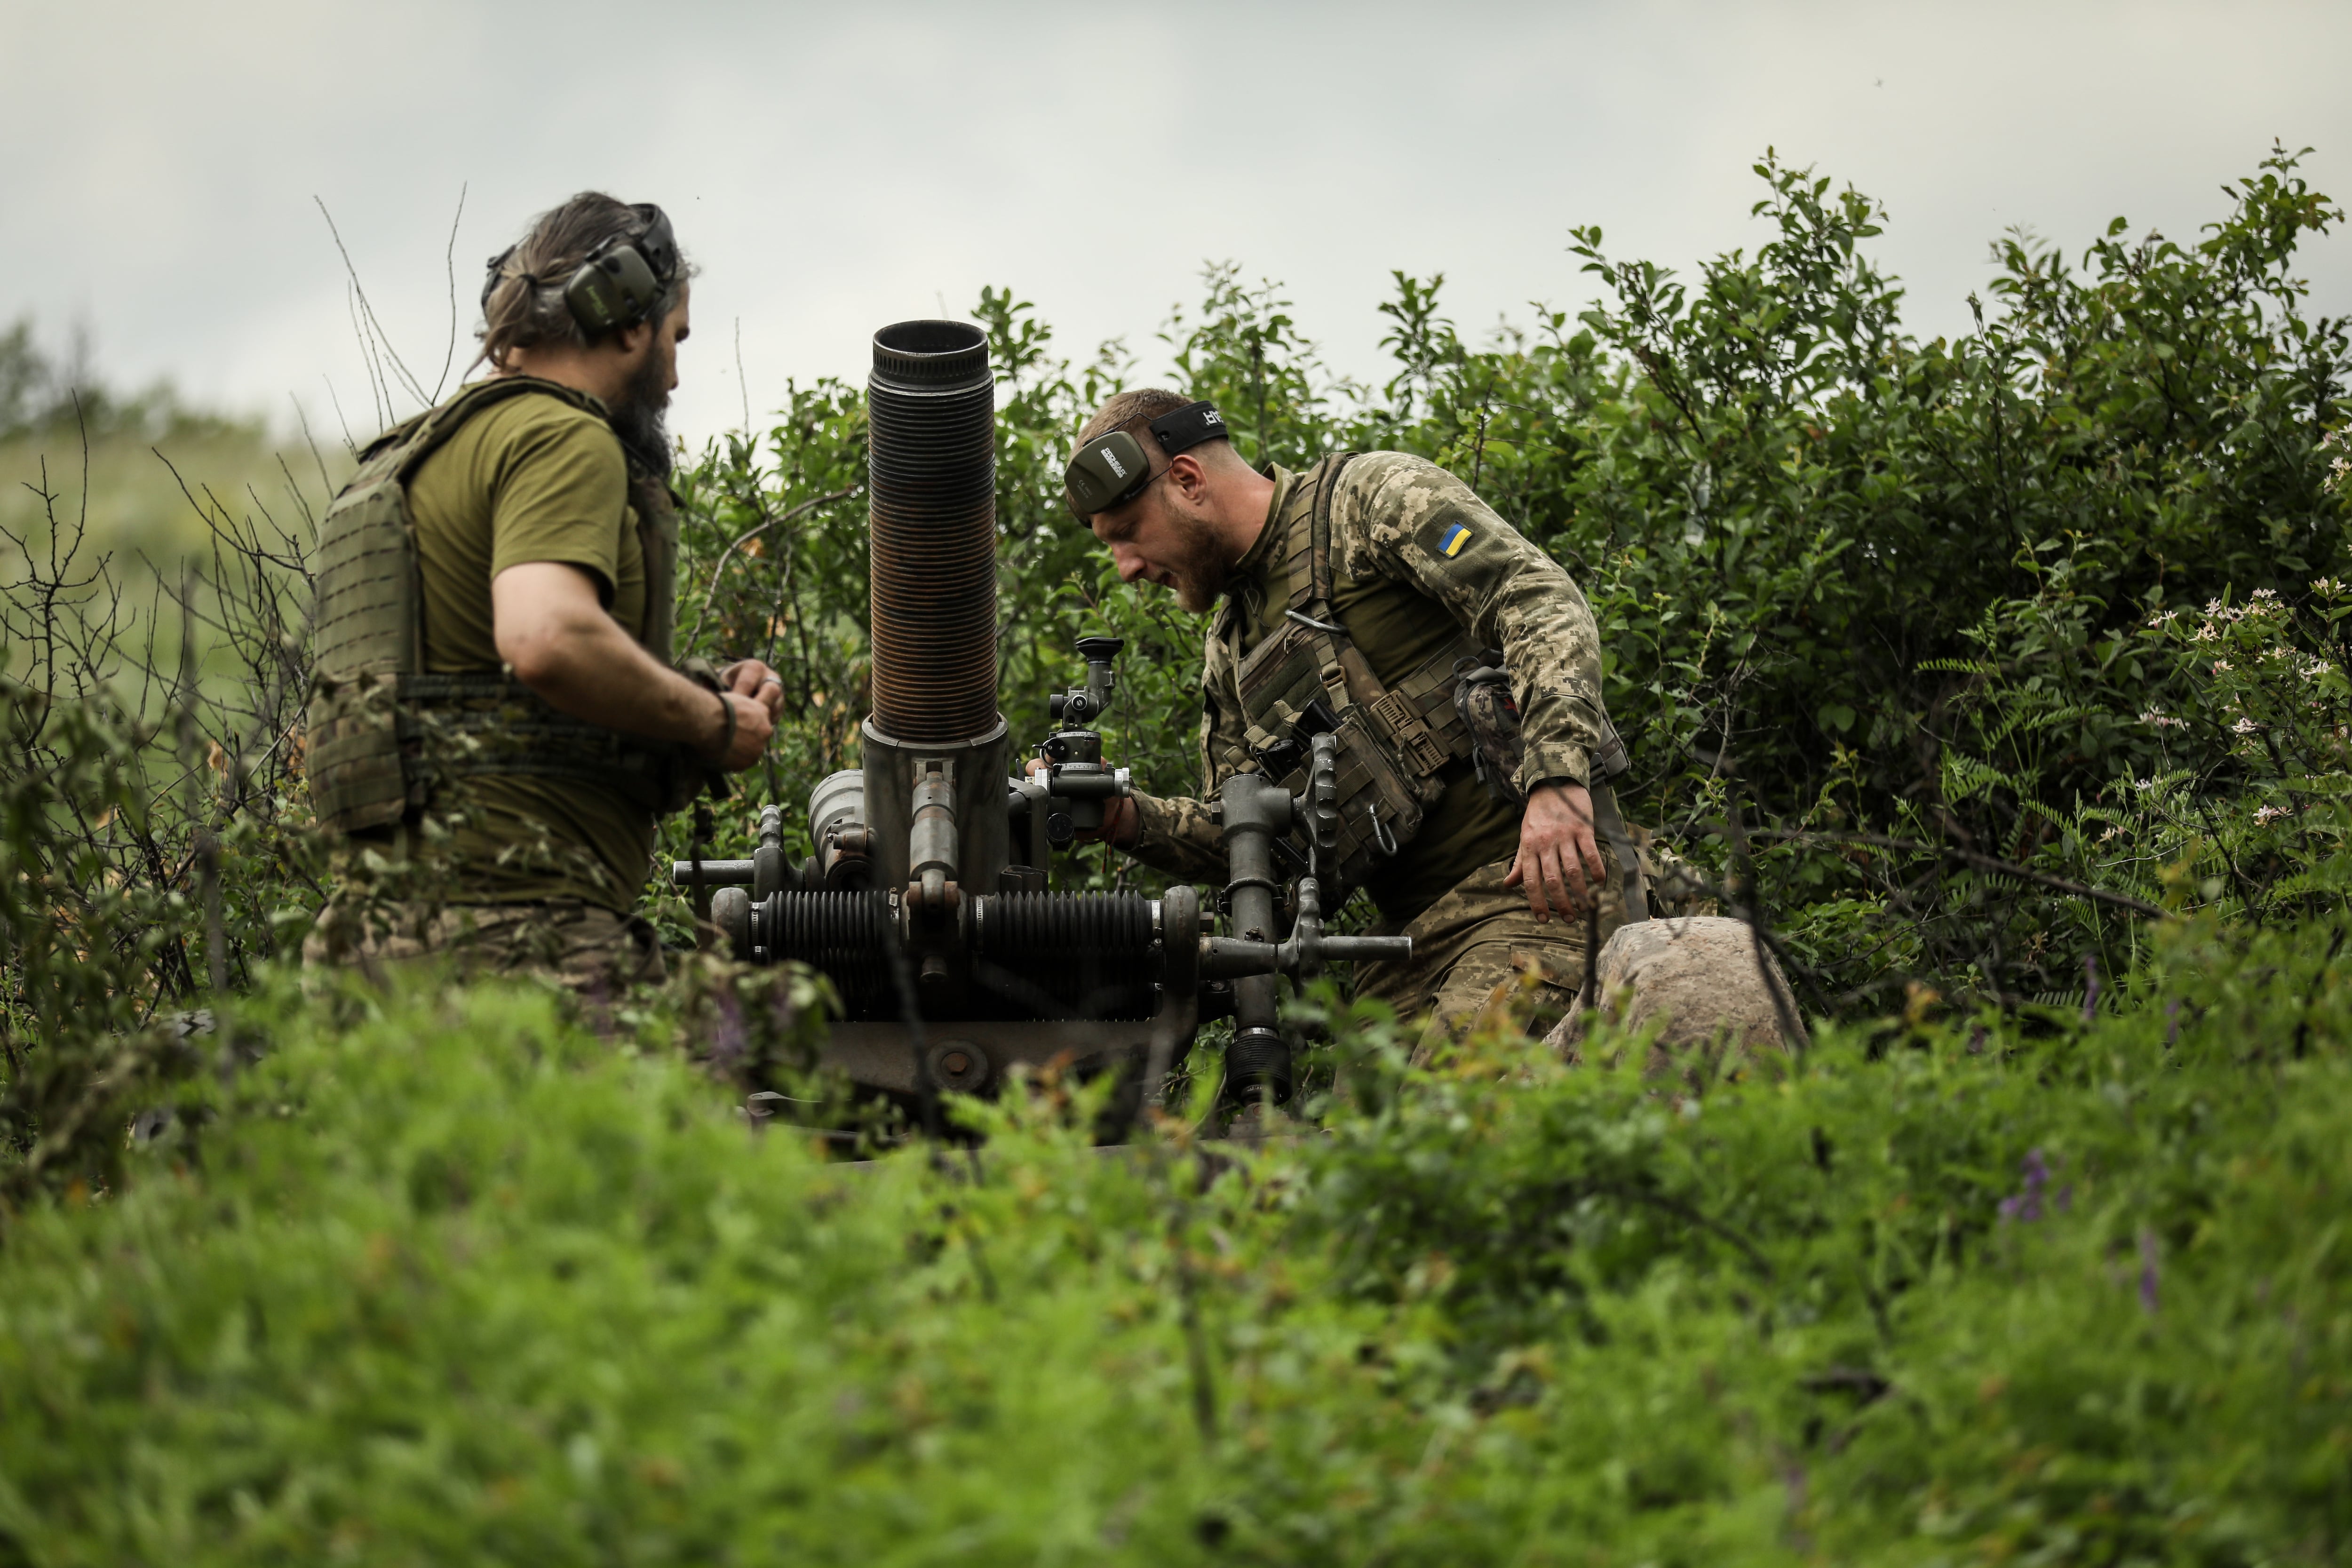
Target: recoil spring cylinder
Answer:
[[1070, 925], [1078, 954], [931, 484], [1053, 955], [840, 933]]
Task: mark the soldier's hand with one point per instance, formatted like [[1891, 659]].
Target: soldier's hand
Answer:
[[1119, 816], [753, 725], [1559, 860], [751, 677]]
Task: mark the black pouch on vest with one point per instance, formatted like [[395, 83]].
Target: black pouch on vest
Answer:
[[1482, 697], [1380, 807]]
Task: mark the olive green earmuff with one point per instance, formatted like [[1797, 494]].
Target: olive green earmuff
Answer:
[[622, 280], [1112, 470], [1108, 472]]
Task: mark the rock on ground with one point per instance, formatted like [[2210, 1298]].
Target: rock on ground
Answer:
[[1698, 980]]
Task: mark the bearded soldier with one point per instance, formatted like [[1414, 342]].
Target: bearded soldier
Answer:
[[1374, 596], [495, 722]]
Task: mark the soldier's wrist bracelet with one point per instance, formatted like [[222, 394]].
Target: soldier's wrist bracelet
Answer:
[[726, 739]]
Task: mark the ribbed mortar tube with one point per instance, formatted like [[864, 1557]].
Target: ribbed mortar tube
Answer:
[[932, 482]]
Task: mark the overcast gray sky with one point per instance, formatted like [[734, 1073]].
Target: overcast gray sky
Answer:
[[835, 168]]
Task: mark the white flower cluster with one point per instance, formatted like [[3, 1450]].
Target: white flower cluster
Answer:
[[2266, 815], [2262, 602], [2163, 720]]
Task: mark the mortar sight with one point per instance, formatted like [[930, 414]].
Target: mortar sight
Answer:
[[1087, 704]]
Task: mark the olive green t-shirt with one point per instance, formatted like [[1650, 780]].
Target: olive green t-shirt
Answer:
[[1395, 627], [530, 479]]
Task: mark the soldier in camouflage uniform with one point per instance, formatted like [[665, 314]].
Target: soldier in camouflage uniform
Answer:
[[1361, 590], [495, 720]]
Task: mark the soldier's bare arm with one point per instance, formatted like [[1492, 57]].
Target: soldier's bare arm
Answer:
[[552, 630]]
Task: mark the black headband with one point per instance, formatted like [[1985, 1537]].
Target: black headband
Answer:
[[1188, 426]]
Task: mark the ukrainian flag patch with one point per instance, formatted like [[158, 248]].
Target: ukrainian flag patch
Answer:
[[1455, 538]]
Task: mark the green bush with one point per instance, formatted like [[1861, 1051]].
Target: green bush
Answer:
[[443, 1277], [1851, 582]]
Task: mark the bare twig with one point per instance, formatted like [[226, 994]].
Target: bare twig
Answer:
[[449, 261], [378, 394], [743, 386], [348, 445], [415, 388]]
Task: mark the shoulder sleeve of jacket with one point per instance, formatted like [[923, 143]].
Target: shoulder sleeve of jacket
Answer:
[[1406, 519], [559, 488]]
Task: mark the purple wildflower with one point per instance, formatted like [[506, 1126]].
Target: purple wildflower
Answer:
[[2147, 1272], [2090, 987], [2027, 1205]]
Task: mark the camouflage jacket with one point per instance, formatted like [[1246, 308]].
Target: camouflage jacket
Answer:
[[1404, 519]]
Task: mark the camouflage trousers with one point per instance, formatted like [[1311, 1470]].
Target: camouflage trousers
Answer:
[[1479, 948], [580, 946]]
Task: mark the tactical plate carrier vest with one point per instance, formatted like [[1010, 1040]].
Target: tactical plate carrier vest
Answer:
[[1307, 678], [381, 730]]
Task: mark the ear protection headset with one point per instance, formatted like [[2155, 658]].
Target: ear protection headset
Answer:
[[1112, 470], [620, 282]]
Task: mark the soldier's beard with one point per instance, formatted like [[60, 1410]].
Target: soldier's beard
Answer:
[[641, 417], [1199, 565]]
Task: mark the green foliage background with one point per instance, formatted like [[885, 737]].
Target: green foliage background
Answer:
[[1850, 581], [2002, 678]]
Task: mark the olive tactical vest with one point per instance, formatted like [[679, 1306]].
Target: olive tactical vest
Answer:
[[1308, 676], [1393, 741], [381, 730]]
